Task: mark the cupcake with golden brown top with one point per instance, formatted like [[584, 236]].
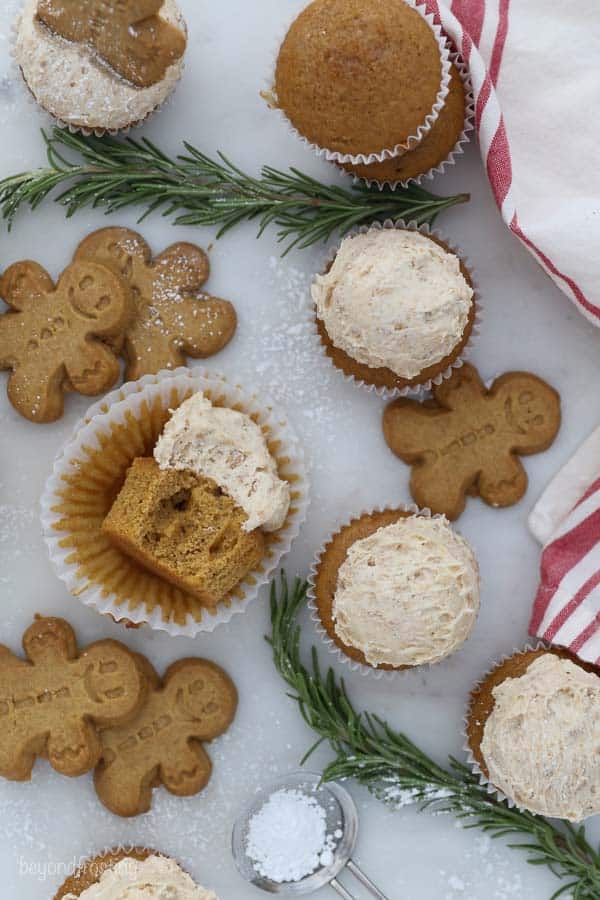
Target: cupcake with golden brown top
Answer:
[[362, 79], [98, 68], [447, 134], [395, 309], [533, 732], [394, 590], [136, 872]]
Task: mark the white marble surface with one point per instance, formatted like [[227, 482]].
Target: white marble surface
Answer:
[[528, 324]]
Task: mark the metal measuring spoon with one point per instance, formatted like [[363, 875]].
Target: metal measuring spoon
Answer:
[[340, 814]]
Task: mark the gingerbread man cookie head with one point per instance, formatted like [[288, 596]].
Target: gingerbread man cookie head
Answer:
[[203, 697], [174, 318], [531, 407], [469, 439], [52, 703], [51, 338], [129, 35]]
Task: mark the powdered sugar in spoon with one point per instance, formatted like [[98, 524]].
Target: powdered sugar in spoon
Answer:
[[297, 835]]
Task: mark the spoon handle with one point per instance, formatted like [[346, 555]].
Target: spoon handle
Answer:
[[360, 875], [341, 890]]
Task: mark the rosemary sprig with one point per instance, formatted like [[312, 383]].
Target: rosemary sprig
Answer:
[[389, 764], [194, 189]]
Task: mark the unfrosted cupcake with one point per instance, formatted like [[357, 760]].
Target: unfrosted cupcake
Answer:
[[136, 872], [362, 78], [533, 730], [98, 69], [433, 149], [395, 309], [394, 590]]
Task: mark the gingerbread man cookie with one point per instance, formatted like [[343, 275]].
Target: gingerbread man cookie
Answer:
[[195, 702], [50, 338], [129, 35], [52, 702], [469, 439], [173, 318]]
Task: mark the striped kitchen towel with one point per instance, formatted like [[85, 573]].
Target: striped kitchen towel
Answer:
[[534, 68], [566, 611]]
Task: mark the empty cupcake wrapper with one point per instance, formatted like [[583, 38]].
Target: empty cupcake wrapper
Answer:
[[69, 126], [457, 150], [89, 471], [388, 152], [418, 390], [471, 761], [329, 642]]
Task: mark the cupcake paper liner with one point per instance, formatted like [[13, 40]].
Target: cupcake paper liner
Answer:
[[69, 126], [387, 152], [457, 150], [355, 665], [89, 471], [471, 761], [416, 391]]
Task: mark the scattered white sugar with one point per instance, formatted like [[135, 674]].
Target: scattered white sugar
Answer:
[[287, 838]]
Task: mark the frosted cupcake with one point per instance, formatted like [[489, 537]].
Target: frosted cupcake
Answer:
[[362, 80], [132, 873], [395, 308], [96, 68], [533, 731], [395, 590]]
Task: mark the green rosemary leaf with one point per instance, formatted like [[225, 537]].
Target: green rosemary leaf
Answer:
[[193, 189]]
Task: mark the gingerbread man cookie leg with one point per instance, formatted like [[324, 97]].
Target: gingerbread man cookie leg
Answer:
[[195, 703], [174, 318], [53, 702], [468, 439]]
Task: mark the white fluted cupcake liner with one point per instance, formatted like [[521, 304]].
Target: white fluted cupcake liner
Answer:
[[388, 152], [471, 761], [353, 664], [106, 425], [416, 391], [457, 150], [18, 74]]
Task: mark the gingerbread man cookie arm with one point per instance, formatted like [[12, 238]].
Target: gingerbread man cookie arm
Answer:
[[16, 762], [531, 410], [23, 283]]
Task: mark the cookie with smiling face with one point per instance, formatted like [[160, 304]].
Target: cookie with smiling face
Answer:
[[174, 317], [469, 439], [52, 336], [194, 703], [53, 701]]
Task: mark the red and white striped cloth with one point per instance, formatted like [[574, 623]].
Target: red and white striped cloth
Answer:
[[566, 611], [534, 67]]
